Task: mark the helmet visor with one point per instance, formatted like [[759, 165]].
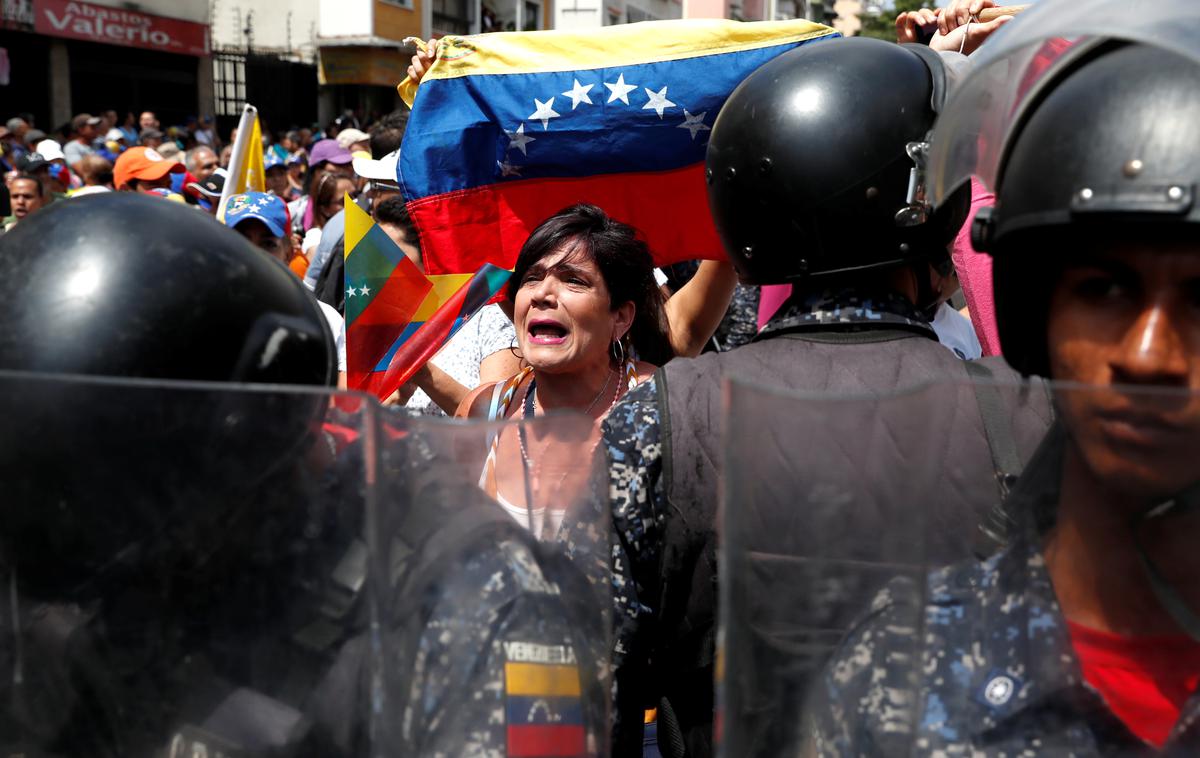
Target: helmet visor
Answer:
[[1008, 72]]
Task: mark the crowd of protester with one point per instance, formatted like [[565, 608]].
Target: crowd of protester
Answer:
[[588, 324]]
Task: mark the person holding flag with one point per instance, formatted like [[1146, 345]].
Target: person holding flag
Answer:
[[589, 320]]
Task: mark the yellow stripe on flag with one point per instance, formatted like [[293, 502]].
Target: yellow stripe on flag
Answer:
[[541, 679], [358, 223], [607, 47], [444, 287], [254, 178]]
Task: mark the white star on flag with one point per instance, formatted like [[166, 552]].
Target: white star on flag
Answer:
[[544, 112], [579, 94], [620, 90], [519, 139], [694, 124], [364, 290], [658, 101], [351, 292], [507, 169]]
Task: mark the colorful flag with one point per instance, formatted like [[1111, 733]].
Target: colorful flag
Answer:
[[246, 173], [421, 344], [543, 711], [509, 128], [384, 289]]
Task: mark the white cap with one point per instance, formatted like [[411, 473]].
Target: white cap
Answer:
[[50, 150], [348, 137], [114, 135], [383, 170]]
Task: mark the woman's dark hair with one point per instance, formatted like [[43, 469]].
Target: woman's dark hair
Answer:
[[393, 211], [624, 261]]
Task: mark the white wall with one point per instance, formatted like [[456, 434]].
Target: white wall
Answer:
[[567, 17], [276, 24], [344, 18], [578, 14]]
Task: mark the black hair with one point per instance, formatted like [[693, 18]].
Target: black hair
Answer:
[[624, 261], [393, 211], [41, 191], [388, 133]]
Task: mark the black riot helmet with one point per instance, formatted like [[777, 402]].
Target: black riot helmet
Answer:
[[137, 432], [1107, 145], [123, 284], [815, 163]]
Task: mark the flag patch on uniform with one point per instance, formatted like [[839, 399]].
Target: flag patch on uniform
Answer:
[[543, 710]]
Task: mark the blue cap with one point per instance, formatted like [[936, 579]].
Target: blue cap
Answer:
[[268, 209], [272, 160]]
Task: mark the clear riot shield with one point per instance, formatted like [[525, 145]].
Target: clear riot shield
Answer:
[[817, 518], [181, 566], [492, 550], [846, 630]]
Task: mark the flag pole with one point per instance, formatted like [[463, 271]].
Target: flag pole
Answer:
[[237, 159]]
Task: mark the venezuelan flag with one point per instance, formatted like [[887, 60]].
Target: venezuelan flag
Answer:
[[509, 128], [543, 711]]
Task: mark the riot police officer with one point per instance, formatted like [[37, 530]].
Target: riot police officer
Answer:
[[194, 551], [1083, 635], [816, 172]]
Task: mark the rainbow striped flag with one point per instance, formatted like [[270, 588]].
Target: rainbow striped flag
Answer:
[[430, 336], [384, 292], [509, 128]]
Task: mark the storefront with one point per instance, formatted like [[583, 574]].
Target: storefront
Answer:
[[67, 56]]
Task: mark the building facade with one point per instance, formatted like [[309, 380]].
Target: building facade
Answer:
[[61, 57], [265, 53], [362, 48]]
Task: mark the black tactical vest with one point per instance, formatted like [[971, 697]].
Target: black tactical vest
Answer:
[[866, 361]]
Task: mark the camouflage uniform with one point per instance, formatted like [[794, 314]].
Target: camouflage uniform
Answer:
[[495, 645], [633, 439], [994, 673], [499, 670]]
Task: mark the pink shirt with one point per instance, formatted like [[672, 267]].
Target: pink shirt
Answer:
[[975, 275], [770, 297]]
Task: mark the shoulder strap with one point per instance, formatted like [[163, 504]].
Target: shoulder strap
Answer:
[[1006, 463], [494, 411]]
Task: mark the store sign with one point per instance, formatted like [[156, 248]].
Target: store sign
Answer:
[[117, 26], [362, 65]]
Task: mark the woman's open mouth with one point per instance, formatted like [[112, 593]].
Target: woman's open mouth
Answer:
[[547, 332]]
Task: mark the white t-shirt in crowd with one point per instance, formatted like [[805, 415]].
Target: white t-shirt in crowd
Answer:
[[337, 325], [488, 332], [956, 332]]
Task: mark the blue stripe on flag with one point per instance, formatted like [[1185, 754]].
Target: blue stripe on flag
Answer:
[[465, 132]]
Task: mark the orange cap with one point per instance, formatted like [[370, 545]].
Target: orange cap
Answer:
[[142, 163]]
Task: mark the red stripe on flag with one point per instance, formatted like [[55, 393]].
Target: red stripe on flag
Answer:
[[460, 231], [545, 741]]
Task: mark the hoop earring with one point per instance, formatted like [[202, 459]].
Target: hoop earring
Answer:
[[618, 352], [513, 349]]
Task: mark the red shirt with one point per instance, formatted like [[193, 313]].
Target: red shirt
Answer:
[[1146, 681]]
